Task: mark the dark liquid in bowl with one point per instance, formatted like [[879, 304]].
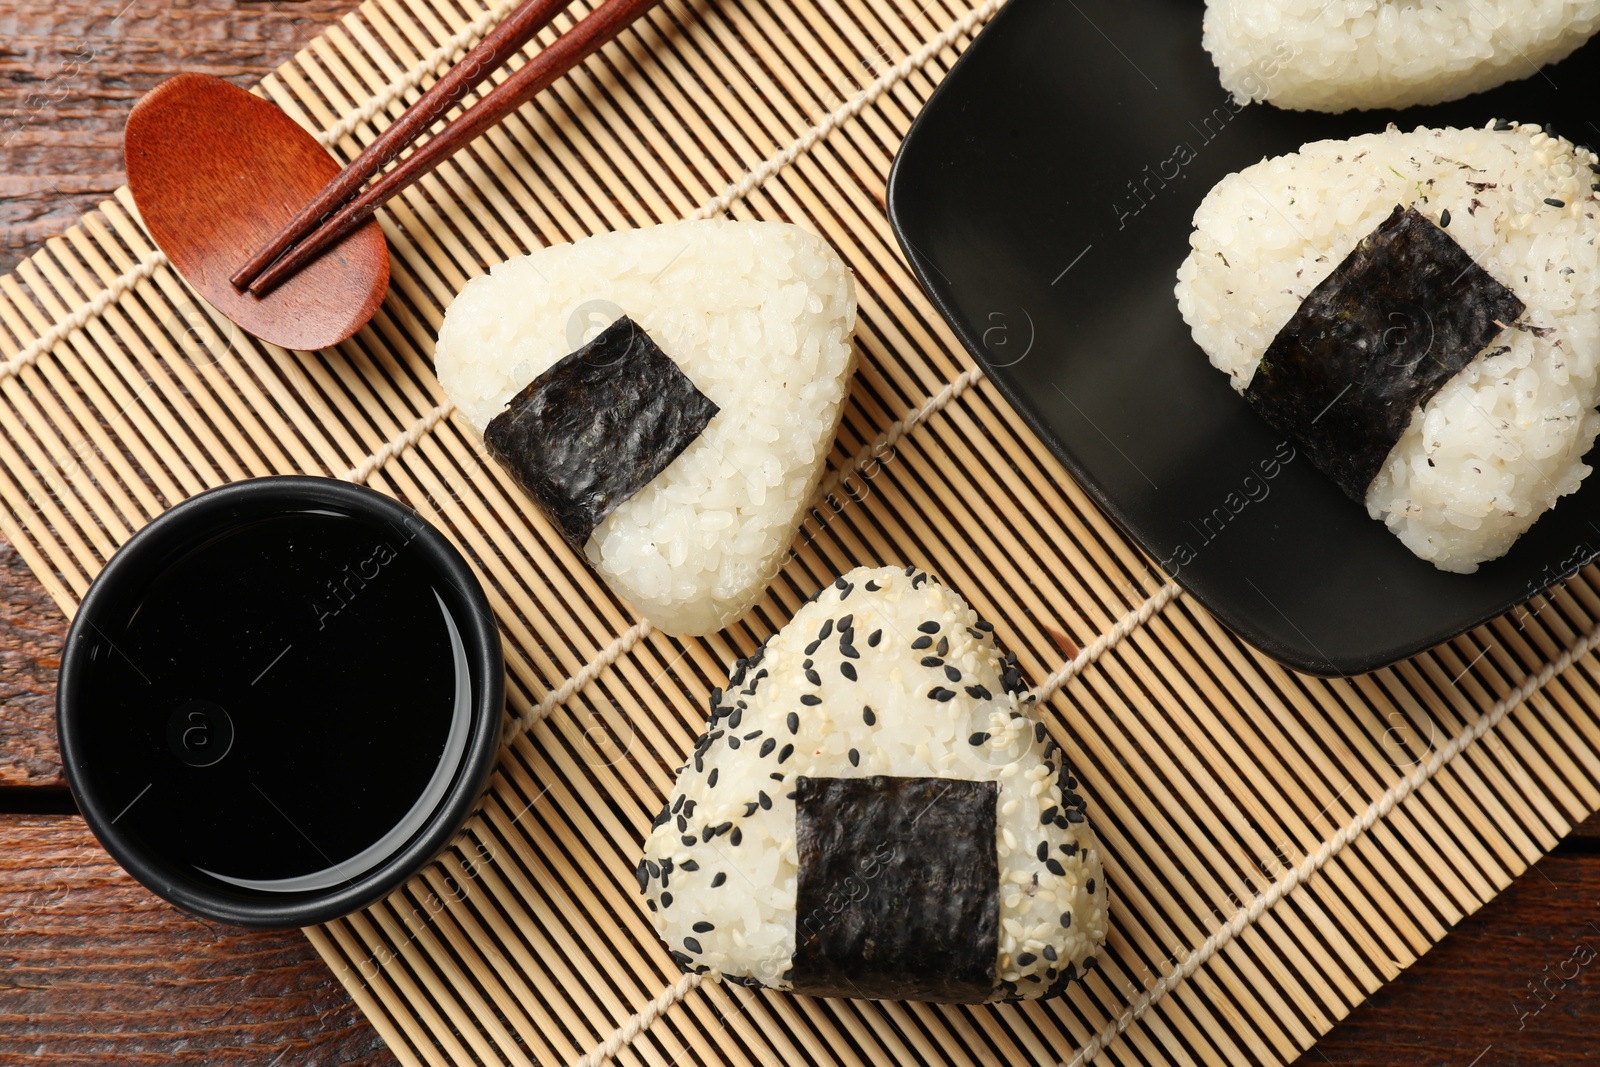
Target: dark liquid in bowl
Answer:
[[276, 701]]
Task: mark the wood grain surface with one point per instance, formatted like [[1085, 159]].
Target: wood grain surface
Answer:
[[95, 970]]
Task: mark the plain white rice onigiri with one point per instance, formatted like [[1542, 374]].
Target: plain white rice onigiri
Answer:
[[1333, 55], [1505, 438], [759, 315]]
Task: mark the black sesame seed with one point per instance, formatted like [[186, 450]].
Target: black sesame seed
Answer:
[[650, 904], [733, 742], [952, 673], [911, 568], [793, 722], [1053, 865], [644, 876], [692, 944], [1444, 218], [846, 622], [721, 828], [977, 635], [855, 758], [1050, 953], [1039, 732], [766, 748], [845, 591], [1048, 817], [916, 583], [737, 837], [689, 865], [810, 700], [869, 716], [941, 694], [750, 807], [1069, 849], [1074, 815], [764, 800], [827, 628], [873, 638], [752, 735], [932, 661], [1044, 851], [978, 692], [1553, 202], [1066, 917], [986, 627], [718, 878], [666, 900], [943, 647], [1027, 959], [1500, 126], [676, 804], [811, 649], [777, 776], [1089, 886], [1088, 965], [979, 738], [929, 627], [812, 676], [922, 642], [872, 586], [703, 927], [848, 670], [848, 650], [711, 779], [785, 753], [688, 839], [683, 823]]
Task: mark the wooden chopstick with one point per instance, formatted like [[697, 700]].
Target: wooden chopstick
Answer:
[[333, 214]]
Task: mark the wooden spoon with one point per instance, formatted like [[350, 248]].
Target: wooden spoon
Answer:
[[216, 172]]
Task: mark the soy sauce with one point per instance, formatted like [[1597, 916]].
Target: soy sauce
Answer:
[[276, 701]]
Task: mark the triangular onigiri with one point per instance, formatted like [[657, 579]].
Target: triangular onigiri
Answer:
[[875, 812], [758, 316]]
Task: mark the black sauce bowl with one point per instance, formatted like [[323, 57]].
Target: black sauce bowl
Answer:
[[280, 700]]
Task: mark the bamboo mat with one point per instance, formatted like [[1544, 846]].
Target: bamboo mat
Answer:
[[1277, 846]]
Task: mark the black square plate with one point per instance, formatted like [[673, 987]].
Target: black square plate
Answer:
[[1022, 199]]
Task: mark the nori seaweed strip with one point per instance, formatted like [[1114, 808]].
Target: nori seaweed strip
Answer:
[[1404, 312], [898, 895], [595, 428]]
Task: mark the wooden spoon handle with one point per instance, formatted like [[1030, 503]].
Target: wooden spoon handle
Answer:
[[570, 49], [491, 53]]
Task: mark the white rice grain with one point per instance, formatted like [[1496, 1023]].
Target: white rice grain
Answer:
[[1333, 55]]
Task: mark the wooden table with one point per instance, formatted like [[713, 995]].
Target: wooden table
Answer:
[[93, 969]]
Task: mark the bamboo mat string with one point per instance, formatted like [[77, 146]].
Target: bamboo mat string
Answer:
[[446, 53], [1249, 913], [899, 72], [414, 433], [580, 681], [80, 317], [1108, 640], [625, 1034]]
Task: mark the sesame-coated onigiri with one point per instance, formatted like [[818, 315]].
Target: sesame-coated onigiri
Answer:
[[876, 811]]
